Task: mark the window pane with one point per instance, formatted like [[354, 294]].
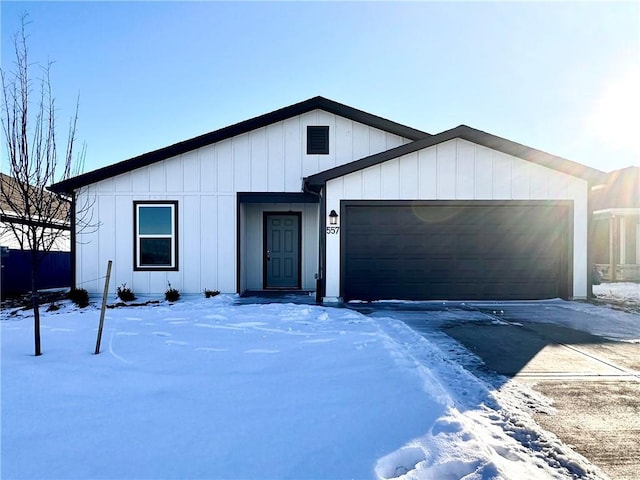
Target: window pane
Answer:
[[154, 220], [155, 251]]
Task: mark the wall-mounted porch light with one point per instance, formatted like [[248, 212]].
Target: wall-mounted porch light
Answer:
[[333, 218]]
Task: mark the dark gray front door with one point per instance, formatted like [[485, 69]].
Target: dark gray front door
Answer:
[[281, 250]]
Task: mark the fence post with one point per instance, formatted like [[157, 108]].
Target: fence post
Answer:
[[104, 306]]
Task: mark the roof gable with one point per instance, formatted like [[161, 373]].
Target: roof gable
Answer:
[[472, 135], [315, 103]]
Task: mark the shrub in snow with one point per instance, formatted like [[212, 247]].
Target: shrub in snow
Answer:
[[596, 278], [53, 307], [210, 293], [171, 295], [125, 294], [79, 296]]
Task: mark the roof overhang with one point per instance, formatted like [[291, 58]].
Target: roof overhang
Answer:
[[315, 103], [616, 212], [277, 197], [4, 218]]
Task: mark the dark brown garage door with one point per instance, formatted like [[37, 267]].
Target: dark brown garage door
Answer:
[[455, 250]]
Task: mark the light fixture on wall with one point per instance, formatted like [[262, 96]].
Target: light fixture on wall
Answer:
[[333, 218]]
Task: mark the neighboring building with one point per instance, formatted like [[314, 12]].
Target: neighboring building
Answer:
[[55, 267], [321, 196], [16, 238], [616, 225]]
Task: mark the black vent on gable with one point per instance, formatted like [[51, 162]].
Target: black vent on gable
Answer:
[[317, 140]]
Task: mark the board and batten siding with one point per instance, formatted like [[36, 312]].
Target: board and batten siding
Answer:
[[205, 182], [460, 170]]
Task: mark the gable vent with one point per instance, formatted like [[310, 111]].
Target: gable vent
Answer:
[[317, 140]]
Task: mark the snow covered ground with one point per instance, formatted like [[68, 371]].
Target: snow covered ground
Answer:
[[208, 389], [621, 294]]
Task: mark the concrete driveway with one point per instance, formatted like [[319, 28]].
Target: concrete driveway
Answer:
[[594, 382]]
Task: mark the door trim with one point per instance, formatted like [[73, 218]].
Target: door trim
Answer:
[[265, 215]]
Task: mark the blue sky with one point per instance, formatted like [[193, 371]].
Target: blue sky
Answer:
[[560, 77]]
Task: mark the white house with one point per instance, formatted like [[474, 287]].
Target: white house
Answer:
[[323, 197]]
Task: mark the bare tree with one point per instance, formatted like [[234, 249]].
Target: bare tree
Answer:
[[35, 216]]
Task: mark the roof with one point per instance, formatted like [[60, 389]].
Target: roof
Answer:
[[12, 204], [463, 132], [321, 103], [620, 189]]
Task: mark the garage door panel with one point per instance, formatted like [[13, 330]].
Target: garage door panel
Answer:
[[425, 252]]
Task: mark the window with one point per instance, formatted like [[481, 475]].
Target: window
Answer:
[[156, 237], [318, 140]]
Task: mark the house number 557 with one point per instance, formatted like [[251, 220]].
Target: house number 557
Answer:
[[333, 230]]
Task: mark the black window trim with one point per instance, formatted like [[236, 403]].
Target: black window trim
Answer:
[[159, 268]]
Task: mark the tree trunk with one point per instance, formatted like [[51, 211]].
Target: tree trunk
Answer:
[[28, 130], [36, 304]]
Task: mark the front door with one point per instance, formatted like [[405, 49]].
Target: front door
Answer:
[[281, 250]]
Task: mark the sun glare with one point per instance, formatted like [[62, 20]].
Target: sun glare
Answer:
[[615, 117]]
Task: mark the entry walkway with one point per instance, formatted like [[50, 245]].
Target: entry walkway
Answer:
[[300, 297]]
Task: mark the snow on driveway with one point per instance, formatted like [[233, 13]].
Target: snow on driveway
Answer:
[[205, 389]]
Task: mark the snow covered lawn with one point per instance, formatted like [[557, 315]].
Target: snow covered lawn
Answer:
[[621, 294], [205, 389]]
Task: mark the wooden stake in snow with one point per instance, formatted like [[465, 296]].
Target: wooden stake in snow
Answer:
[[104, 306]]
